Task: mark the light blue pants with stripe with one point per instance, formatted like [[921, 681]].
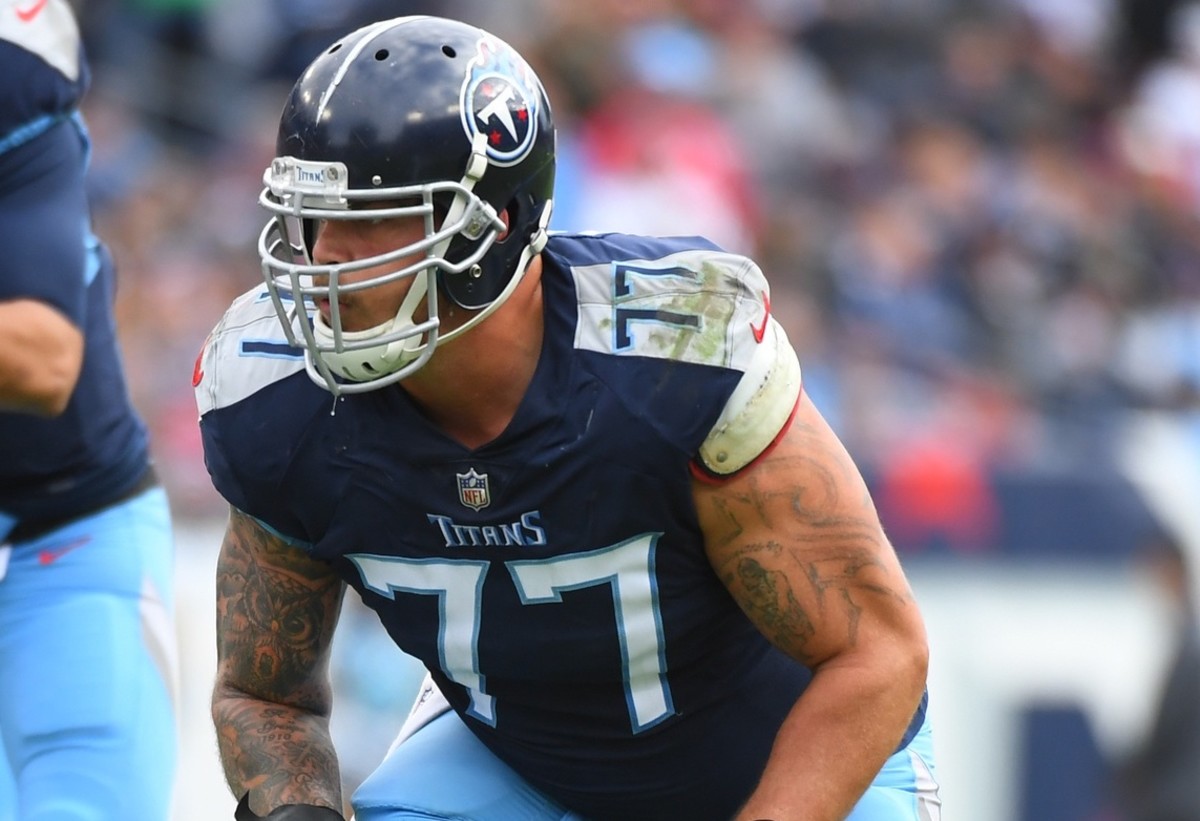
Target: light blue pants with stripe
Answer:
[[443, 772], [88, 669]]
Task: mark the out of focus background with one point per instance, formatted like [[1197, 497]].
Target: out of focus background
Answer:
[[979, 219]]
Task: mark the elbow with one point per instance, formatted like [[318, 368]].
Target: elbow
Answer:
[[899, 659], [912, 662], [55, 383], [53, 400], [230, 697], [40, 371], [920, 671], [40, 360], [48, 392]]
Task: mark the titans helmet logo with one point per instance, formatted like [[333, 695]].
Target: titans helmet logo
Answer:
[[500, 98]]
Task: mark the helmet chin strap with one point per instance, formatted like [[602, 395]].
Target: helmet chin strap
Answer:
[[371, 362], [536, 243]]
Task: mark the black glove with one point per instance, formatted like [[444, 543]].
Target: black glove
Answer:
[[288, 812]]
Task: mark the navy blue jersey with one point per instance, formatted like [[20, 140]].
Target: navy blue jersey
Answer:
[[553, 580], [43, 73], [96, 451]]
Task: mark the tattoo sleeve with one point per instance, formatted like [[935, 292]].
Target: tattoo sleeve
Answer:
[[798, 544], [276, 613]]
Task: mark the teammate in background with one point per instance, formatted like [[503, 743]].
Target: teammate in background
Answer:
[[575, 475], [87, 644]]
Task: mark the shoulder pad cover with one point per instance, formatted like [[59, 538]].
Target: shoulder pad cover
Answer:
[[245, 352], [759, 407]]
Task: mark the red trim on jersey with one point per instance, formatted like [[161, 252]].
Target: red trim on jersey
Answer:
[[703, 474]]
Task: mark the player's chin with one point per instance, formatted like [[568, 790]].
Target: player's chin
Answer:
[[347, 316]]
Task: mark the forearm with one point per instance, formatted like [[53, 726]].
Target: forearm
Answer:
[[280, 754], [41, 354], [276, 612], [834, 742]]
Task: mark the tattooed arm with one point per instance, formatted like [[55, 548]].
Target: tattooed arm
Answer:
[[276, 612], [798, 543]]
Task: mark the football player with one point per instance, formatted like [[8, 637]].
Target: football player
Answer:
[[87, 643], [575, 475]]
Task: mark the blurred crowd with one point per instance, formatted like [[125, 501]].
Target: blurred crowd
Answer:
[[979, 217]]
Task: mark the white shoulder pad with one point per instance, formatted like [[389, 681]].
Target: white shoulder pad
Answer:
[[758, 408], [245, 352], [48, 30]]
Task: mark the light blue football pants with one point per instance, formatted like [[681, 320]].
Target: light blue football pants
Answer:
[[88, 665], [444, 772]]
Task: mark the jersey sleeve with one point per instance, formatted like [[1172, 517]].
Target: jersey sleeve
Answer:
[[242, 373], [732, 378], [43, 73], [50, 252]]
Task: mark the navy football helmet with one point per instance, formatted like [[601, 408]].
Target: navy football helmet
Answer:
[[416, 116]]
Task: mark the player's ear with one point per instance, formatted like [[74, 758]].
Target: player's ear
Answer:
[[504, 217]]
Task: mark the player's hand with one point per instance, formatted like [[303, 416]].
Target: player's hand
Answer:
[[288, 812]]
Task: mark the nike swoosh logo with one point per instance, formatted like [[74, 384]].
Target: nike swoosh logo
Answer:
[[198, 369], [760, 331], [49, 555], [27, 15]]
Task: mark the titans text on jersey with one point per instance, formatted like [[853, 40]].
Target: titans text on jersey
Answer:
[[524, 531]]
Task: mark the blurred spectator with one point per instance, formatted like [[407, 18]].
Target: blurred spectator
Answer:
[[1142, 35], [933, 487], [1159, 781], [1162, 121], [655, 159]]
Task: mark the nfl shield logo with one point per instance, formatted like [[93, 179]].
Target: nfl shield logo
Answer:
[[473, 489]]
